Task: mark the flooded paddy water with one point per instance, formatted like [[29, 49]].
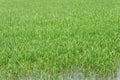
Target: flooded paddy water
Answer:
[[71, 76]]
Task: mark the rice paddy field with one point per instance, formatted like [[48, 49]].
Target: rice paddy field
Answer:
[[59, 39]]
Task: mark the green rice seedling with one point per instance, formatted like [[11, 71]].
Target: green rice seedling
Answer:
[[52, 38]]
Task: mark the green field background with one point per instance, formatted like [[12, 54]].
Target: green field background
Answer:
[[55, 37]]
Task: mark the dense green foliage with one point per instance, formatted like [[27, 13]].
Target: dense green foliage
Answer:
[[57, 36]]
